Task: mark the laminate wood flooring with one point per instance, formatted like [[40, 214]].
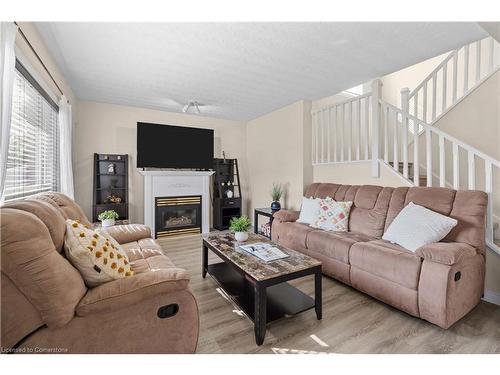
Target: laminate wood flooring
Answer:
[[352, 321]]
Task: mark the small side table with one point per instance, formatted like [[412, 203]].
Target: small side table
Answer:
[[267, 212]]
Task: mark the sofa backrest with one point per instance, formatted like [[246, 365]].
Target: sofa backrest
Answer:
[[68, 207], [375, 207], [369, 209], [38, 282]]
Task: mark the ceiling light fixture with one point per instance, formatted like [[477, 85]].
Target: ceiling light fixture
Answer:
[[192, 104]]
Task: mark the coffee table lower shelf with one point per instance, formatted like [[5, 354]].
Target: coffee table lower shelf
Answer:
[[282, 299]]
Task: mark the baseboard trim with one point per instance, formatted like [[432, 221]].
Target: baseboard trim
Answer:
[[492, 297]]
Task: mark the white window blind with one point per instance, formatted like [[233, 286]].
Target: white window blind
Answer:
[[32, 163]]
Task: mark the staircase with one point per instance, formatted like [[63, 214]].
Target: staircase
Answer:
[[367, 128], [422, 177]]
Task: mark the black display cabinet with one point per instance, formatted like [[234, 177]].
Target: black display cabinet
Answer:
[[227, 192], [110, 185]]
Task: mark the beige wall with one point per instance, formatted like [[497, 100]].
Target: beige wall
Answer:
[[106, 128], [409, 77], [476, 120], [356, 173], [279, 150]]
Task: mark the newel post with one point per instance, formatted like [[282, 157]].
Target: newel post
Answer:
[[376, 94], [405, 107]]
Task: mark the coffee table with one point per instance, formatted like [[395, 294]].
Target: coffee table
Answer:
[[260, 288]]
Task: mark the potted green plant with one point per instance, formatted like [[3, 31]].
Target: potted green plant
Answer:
[[240, 225], [276, 194], [108, 218]]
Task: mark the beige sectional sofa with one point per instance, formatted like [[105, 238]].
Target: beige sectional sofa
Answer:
[[440, 282], [46, 307]]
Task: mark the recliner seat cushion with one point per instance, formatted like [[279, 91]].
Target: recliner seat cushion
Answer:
[[142, 249], [387, 261], [335, 245], [294, 235]]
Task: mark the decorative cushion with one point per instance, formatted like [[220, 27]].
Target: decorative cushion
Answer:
[[97, 256], [309, 210], [333, 215], [417, 226]]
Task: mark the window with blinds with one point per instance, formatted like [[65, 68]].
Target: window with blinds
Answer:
[[32, 163]]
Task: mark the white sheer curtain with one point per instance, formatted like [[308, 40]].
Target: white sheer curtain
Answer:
[[8, 33], [65, 160]]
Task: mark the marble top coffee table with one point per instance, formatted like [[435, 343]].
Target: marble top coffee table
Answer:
[[260, 288]]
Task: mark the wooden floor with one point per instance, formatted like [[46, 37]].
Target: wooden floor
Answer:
[[352, 321]]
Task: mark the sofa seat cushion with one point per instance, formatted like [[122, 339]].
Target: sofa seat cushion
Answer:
[[388, 261], [147, 255], [154, 263], [142, 249], [334, 245], [294, 235]]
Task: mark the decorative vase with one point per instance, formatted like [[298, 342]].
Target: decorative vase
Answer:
[[229, 193], [108, 223], [275, 206], [241, 236]]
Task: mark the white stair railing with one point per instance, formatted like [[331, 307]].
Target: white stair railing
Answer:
[[341, 132], [459, 73], [394, 121], [366, 128]]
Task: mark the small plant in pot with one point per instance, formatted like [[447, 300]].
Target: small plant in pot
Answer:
[[276, 194], [108, 218], [240, 225]]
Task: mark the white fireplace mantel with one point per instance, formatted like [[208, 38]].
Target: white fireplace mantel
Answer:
[[174, 183]]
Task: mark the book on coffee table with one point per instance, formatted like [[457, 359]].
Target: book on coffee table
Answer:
[[264, 251]]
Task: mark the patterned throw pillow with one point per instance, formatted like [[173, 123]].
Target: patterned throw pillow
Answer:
[[333, 216], [97, 255]]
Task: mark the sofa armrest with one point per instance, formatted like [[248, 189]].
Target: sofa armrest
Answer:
[[128, 233], [286, 215], [122, 293], [448, 253]]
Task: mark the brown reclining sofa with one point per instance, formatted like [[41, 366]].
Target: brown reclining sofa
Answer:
[[46, 307], [440, 282]]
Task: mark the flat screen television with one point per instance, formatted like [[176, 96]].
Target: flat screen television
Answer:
[[168, 146]]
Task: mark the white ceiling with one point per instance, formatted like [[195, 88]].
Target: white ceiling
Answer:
[[240, 70]]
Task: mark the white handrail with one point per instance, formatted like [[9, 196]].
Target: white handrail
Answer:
[[452, 77], [432, 74], [346, 101], [448, 137]]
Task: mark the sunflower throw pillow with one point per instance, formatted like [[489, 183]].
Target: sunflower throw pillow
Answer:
[[333, 216], [97, 255]]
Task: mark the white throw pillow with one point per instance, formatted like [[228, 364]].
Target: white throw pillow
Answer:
[[416, 226], [309, 211]]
